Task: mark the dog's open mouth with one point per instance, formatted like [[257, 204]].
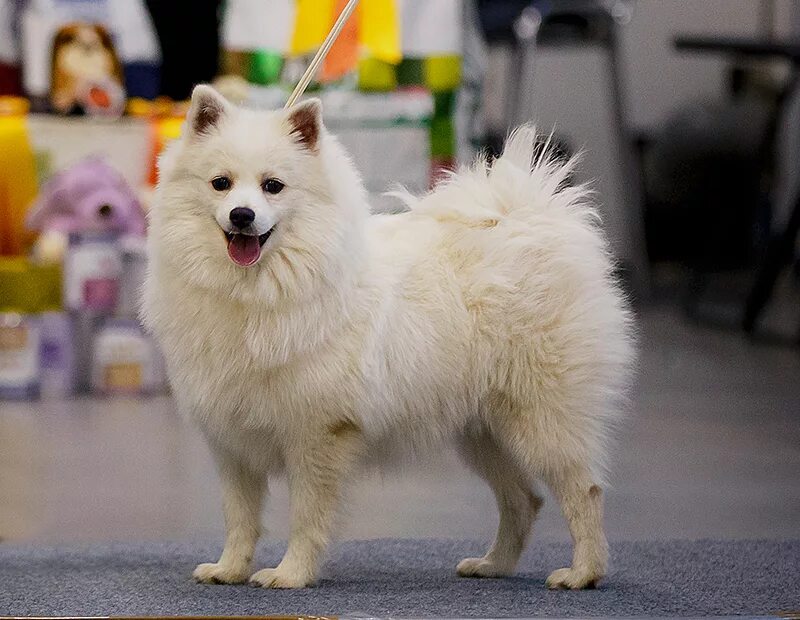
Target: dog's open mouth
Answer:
[[245, 250]]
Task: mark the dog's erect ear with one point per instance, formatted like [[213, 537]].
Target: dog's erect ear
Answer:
[[207, 109], [305, 120]]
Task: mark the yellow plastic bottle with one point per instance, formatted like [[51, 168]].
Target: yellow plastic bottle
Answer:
[[18, 184]]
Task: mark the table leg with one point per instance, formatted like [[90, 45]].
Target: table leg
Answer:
[[779, 252]]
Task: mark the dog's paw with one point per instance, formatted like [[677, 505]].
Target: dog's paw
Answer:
[[571, 579], [481, 567], [280, 578], [218, 573]]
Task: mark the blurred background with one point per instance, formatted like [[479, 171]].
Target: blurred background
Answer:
[[688, 117]]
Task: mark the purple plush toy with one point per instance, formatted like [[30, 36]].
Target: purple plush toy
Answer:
[[89, 196]]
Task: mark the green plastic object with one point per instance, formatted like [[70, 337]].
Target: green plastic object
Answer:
[[265, 67], [29, 288], [442, 73], [443, 137], [410, 72], [444, 104], [376, 75]]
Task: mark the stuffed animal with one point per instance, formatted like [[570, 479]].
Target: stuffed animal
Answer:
[[89, 196], [86, 75]]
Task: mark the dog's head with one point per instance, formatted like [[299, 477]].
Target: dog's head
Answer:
[[265, 199]]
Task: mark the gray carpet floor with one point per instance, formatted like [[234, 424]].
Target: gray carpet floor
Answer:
[[406, 578]]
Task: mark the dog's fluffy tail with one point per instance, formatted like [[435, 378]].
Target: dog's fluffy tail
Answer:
[[528, 180], [532, 177]]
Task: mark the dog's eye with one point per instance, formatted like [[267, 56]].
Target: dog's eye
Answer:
[[272, 186], [221, 183]]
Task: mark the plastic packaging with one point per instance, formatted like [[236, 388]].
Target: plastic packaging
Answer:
[[92, 271], [19, 356], [134, 266], [124, 360], [57, 355], [26, 290]]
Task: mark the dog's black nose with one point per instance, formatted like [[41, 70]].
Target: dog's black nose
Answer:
[[242, 217]]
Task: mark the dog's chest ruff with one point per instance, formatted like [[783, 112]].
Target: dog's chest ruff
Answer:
[[253, 372]]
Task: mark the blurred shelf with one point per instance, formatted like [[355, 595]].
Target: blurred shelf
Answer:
[[124, 142]]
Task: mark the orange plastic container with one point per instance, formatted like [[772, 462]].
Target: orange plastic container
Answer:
[[166, 119]]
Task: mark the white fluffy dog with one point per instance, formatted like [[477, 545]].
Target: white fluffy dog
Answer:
[[305, 336]]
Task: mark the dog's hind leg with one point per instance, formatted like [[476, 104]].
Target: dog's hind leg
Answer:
[[582, 505], [550, 446], [516, 501], [243, 495]]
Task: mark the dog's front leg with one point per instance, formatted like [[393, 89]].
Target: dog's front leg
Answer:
[[242, 495], [316, 470]]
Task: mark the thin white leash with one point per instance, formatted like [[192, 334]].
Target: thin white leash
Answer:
[[321, 53]]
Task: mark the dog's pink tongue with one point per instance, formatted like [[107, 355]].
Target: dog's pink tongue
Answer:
[[244, 250]]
